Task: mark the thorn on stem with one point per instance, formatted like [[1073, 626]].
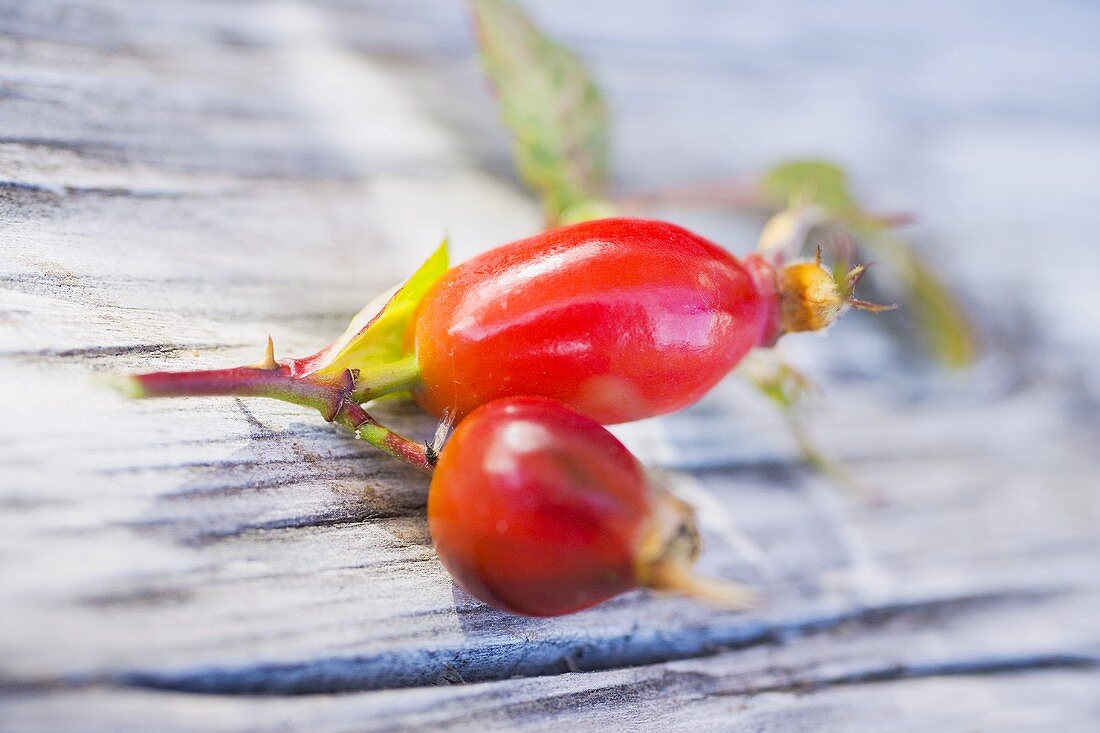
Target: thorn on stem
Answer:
[[268, 363]]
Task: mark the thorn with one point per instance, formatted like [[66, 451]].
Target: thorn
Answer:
[[268, 362]]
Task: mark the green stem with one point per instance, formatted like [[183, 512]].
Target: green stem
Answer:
[[396, 376], [365, 427], [321, 393], [824, 464]]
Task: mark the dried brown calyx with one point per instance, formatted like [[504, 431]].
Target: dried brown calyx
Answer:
[[667, 555], [811, 297]]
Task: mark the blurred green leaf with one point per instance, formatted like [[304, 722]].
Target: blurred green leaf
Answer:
[[776, 379], [944, 330], [587, 211], [943, 327], [551, 106], [810, 181], [788, 388]]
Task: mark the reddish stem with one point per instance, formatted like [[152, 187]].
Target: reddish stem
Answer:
[[321, 394], [418, 455], [736, 194], [331, 396]]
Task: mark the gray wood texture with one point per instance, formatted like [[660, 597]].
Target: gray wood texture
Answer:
[[178, 179]]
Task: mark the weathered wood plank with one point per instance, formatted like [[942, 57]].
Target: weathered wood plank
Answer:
[[903, 671], [254, 519], [1014, 702], [178, 179]]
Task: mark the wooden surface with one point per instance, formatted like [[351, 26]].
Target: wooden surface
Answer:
[[179, 179]]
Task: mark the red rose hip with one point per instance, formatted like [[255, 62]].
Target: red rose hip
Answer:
[[538, 510], [620, 319]]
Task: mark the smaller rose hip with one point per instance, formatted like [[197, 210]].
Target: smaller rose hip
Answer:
[[538, 510]]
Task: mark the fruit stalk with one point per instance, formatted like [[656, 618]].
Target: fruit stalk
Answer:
[[365, 427], [322, 394], [334, 396]]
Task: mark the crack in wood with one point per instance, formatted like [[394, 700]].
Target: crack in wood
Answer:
[[68, 190], [501, 661], [208, 538], [88, 352], [363, 456], [672, 684], [941, 668], [88, 148]]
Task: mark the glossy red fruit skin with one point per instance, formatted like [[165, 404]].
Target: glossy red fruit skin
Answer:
[[620, 319], [538, 510]]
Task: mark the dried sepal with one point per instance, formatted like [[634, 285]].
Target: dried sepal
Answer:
[[375, 336], [667, 555]]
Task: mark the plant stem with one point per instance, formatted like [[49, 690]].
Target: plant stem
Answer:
[[824, 464], [321, 393], [332, 395], [359, 421]]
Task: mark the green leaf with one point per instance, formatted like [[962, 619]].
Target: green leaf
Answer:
[[376, 336], [550, 104], [810, 181], [587, 211]]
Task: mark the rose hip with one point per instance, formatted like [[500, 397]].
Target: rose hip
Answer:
[[538, 510], [620, 319]]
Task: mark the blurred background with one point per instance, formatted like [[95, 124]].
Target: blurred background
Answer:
[[179, 178]]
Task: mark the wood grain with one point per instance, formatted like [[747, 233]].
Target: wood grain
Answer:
[[179, 179]]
